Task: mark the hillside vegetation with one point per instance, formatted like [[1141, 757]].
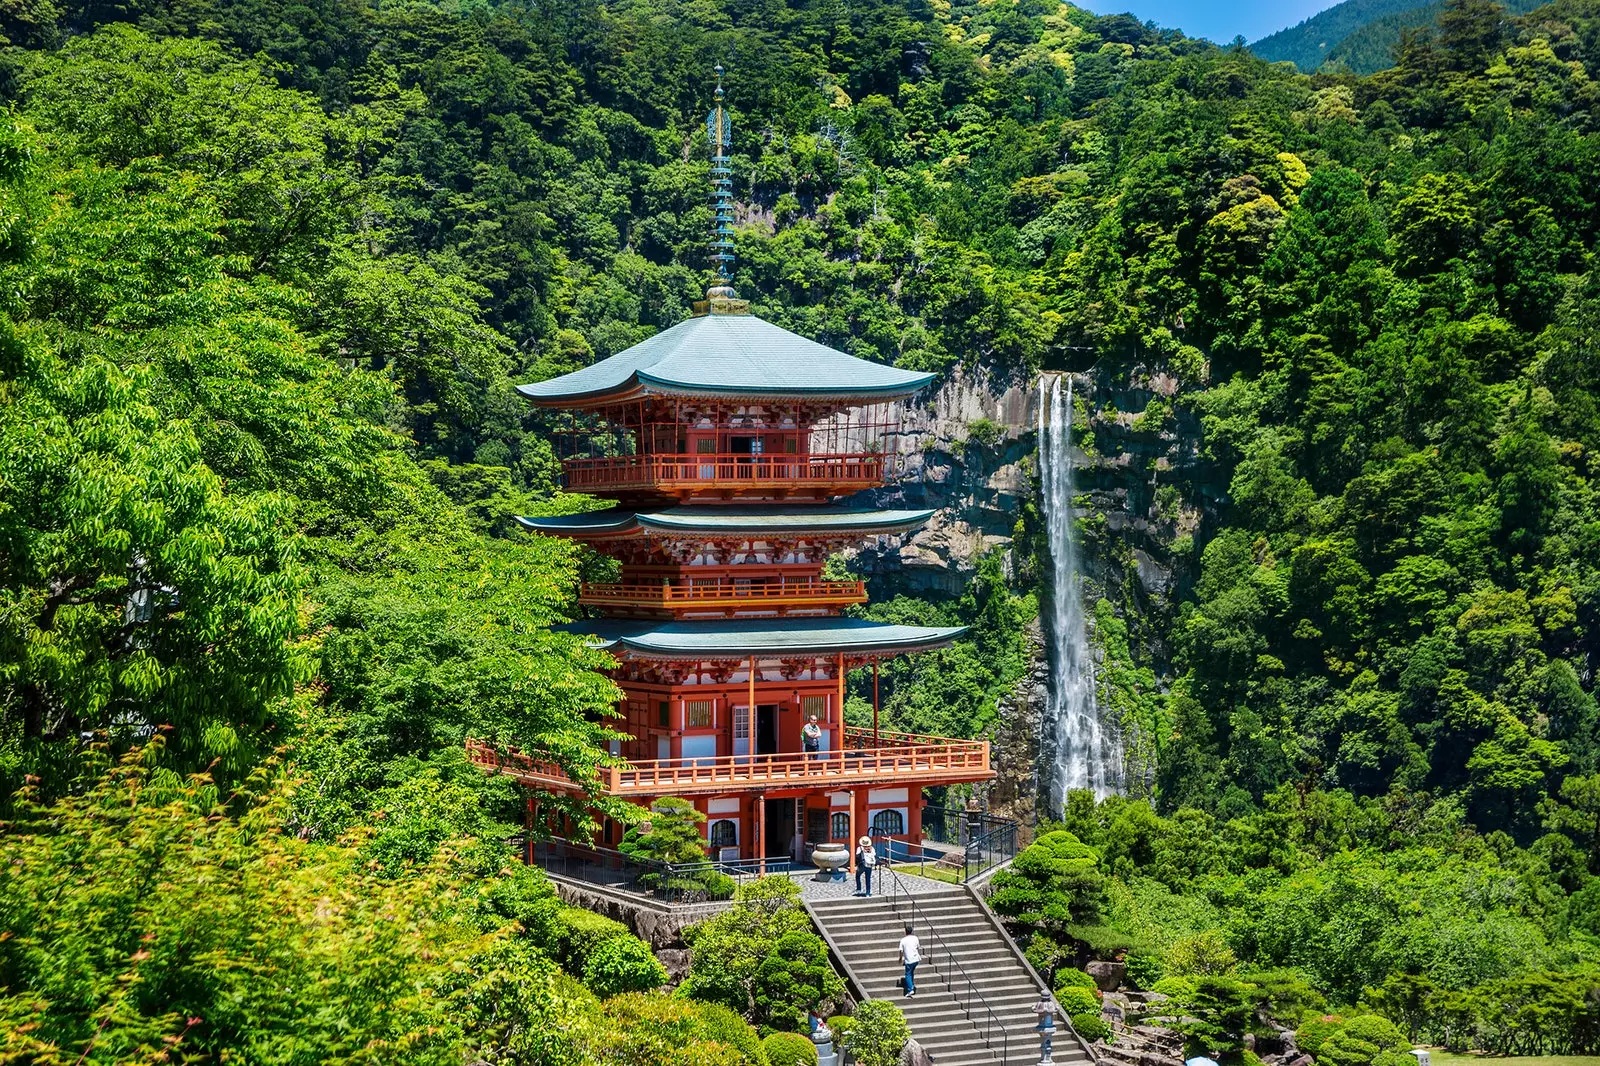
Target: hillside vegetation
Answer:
[[1312, 41], [270, 271], [1358, 35]]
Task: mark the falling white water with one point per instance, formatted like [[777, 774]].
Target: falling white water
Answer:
[[1077, 750]]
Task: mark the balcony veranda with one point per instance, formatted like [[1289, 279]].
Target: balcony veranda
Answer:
[[728, 597], [678, 474], [880, 760]]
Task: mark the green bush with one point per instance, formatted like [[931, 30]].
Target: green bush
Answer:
[[1047, 956], [1068, 977], [1366, 1041], [1077, 1001], [762, 959], [576, 933], [1176, 988], [727, 1027], [789, 1049], [663, 1030], [1091, 1026], [879, 1034], [1314, 1032], [841, 1024], [1145, 968], [622, 964]]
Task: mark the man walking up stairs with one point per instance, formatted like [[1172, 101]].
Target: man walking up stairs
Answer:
[[974, 995]]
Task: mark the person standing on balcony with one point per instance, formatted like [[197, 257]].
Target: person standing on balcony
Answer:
[[811, 737], [910, 955], [866, 859]]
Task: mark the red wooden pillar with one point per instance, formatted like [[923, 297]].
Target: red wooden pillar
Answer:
[[761, 831], [854, 836], [876, 743], [751, 712]]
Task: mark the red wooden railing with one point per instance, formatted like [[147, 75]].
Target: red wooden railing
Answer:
[[942, 762], [728, 594], [672, 470]]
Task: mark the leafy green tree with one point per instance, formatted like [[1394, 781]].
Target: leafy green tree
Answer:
[[761, 958], [143, 919], [878, 1033]]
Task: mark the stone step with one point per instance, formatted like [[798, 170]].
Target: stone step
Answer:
[[989, 987]]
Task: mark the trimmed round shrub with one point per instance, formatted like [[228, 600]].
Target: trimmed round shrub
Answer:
[[726, 1026], [1067, 977], [789, 1049], [841, 1025], [1076, 1001], [718, 885], [1367, 1040], [622, 964], [1091, 1027], [1314, 1032]]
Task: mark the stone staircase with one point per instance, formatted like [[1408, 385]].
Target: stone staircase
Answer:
[[975, 996]]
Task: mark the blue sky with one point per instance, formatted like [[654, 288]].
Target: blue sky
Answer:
[[1220, 20]]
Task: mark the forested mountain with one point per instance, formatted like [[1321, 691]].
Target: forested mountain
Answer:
[[1311, 42], [270, 271], [1359, 34]]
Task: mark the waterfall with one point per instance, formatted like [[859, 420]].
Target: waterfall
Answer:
[[1077, 750]]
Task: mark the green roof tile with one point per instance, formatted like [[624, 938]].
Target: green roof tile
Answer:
[[730, 519], [732, 638], [728, 355]]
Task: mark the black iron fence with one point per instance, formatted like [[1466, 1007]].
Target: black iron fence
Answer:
[[984, 840], [691, 882]]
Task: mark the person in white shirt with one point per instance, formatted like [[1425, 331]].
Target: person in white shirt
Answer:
[[866, 860], [910, 955]]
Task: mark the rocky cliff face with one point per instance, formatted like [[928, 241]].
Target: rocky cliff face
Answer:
[[1145, 494], [968, 454]]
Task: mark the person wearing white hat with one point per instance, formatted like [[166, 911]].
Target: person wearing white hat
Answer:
[[866, 859]]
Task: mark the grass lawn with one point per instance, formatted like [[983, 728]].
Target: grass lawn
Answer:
[[934, 873], [1444, 1058]]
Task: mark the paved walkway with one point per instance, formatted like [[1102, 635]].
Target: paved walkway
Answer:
[[814, 891]]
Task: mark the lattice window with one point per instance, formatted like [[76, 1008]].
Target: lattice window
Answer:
[[697, 714], [841, 827], [741, 723], [814, 705], [888, 824], [724, 833]]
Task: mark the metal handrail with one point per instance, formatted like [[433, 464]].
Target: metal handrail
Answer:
[[898, 887], [642, 874], [976, 847]]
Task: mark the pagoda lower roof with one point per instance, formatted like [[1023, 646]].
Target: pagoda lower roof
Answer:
[[751, 521], [737, 638]]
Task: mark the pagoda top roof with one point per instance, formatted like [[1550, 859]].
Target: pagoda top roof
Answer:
[[736, 638], [621, 522], [726, 355]]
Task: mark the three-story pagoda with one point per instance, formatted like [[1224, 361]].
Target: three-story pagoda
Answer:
[[741, 438]]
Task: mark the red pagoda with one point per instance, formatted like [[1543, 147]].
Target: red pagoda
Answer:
[[740, 438]]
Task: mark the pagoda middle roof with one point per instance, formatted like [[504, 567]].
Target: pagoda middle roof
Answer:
[[729, 356], [732, 638], [616, 521]]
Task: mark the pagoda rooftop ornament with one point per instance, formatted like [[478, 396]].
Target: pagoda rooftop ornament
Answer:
[[720, 297]]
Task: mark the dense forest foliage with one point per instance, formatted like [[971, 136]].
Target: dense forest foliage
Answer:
[[270, 271], [1358, 35]]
